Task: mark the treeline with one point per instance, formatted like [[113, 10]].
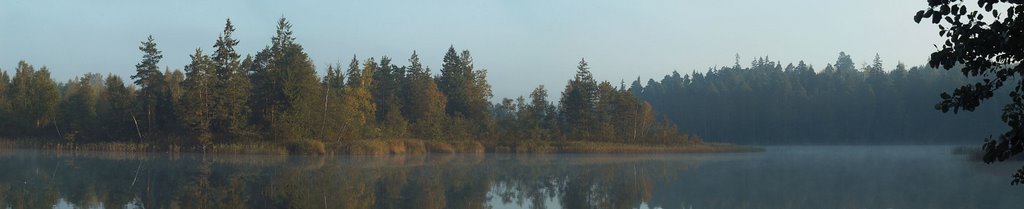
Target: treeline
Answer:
[[768, 103], [277, 96]]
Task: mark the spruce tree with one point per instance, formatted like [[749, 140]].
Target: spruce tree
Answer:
[[578, 102], [358, 109], [385, 96], [170, 104], [5, 103], [423, 105], [197, 101], [288, 87], [230, 88], [118, 118], [468, 94], [332, 117]]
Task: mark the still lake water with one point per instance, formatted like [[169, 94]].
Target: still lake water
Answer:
[[782, 177]]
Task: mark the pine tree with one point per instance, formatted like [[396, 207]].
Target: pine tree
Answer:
[[150, 82]]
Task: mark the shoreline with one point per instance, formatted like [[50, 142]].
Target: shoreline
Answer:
[[386, 147]]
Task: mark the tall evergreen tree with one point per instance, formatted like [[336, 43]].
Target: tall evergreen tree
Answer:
[[577, 105], [169, 106], [467, 90], [333, 113], [150, 82], [197, 100], [231, 88], [117, 111], [5, 103], [288, 88], [385, 91], [424, 104], [354, 72]]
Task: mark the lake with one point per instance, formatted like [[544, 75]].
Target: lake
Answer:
[[782, 177]]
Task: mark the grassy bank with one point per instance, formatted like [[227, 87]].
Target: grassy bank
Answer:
[[383, 147]]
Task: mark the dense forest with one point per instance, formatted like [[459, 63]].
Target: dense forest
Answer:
[[276, 95], [768, 103]]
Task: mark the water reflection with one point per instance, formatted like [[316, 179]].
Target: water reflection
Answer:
[[807, 177]]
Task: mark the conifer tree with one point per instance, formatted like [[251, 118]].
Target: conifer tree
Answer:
[[198, 100], [359, 111], [333, 113], [468, 95], [424, 104], [578, 102], [170, 105], [118, 118], [150, 82], [288, 87], [5, 103], [354, 72], [385, 96], [230, 88]]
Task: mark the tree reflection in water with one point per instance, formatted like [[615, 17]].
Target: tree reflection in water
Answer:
[[836, 178], [103, 180]]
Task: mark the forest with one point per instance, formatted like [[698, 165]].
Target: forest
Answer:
[[276, 96], [768, 103]]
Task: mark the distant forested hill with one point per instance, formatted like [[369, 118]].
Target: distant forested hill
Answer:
[[771, 103]]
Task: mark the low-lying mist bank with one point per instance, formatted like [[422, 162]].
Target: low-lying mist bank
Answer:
[[380, 147]]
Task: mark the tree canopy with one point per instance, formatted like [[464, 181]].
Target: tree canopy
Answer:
[[277, 96], [768, 102], [988, 51]]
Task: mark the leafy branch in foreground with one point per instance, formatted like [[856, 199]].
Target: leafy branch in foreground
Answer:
[[988, 49]]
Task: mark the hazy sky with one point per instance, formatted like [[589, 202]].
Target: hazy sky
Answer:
[[522, 43]]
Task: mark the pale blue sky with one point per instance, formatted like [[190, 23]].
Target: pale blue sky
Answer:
[[523, 43]]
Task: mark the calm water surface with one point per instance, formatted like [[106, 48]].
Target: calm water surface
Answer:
[[782, 177]]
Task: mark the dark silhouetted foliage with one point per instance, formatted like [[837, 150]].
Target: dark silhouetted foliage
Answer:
[[987, 50]]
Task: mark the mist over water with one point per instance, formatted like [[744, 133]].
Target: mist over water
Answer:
[[782, 177]]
